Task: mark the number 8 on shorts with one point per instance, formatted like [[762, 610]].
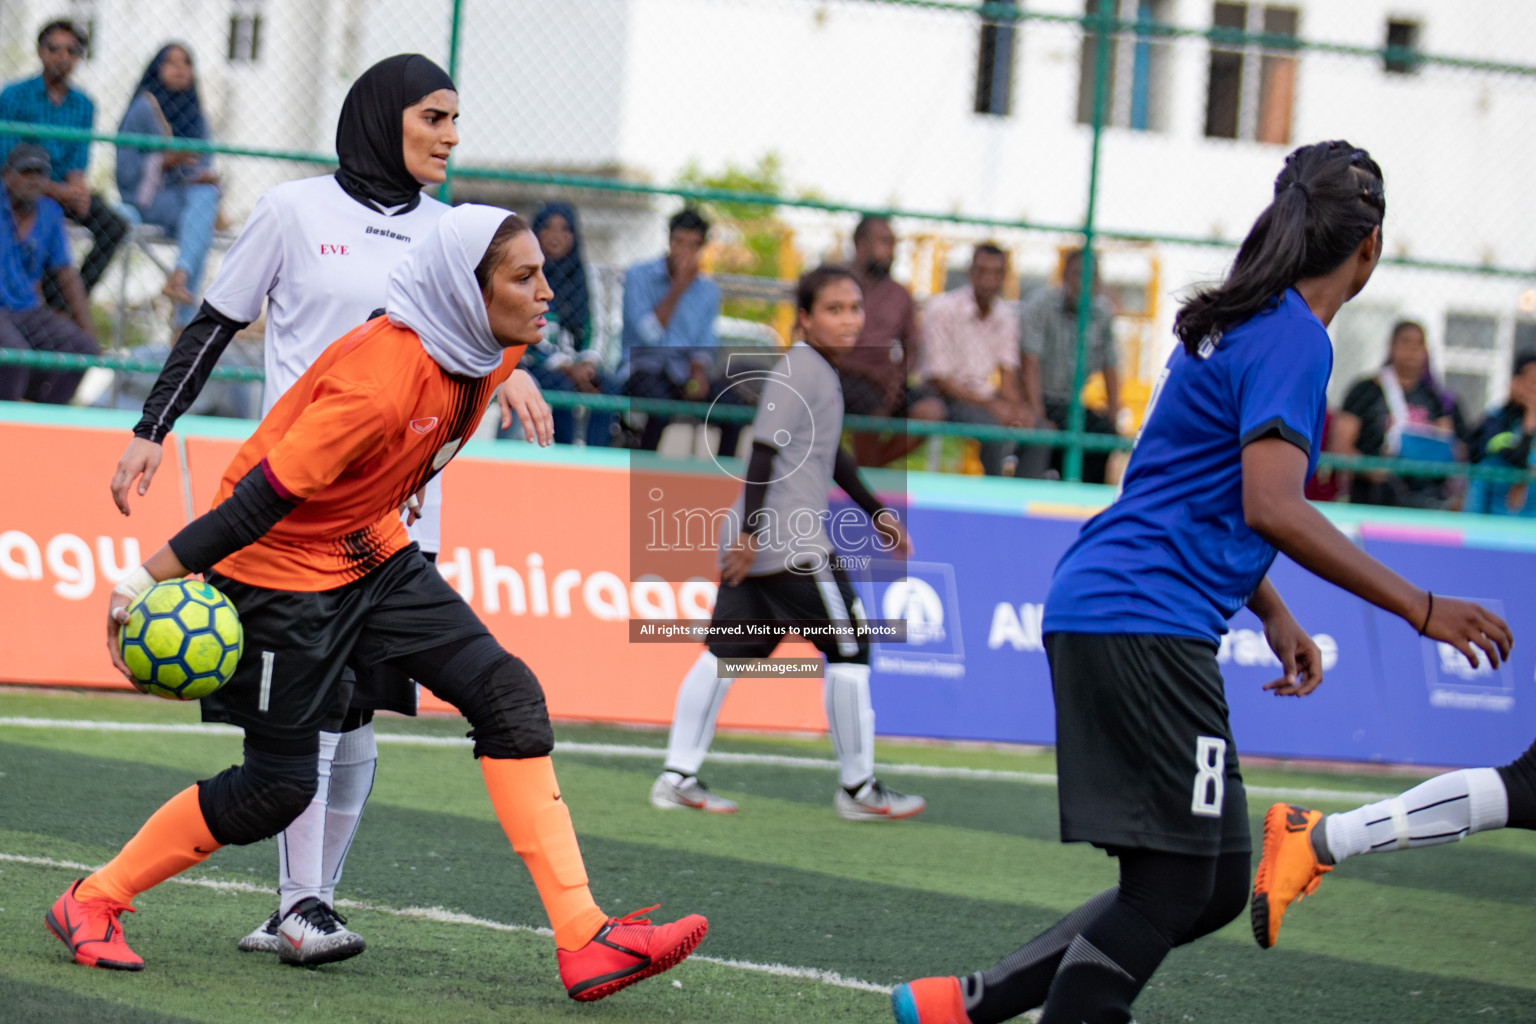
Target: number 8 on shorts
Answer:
[[1210, 776]]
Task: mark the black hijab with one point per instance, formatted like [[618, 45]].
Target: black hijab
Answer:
[[182, 110], [567, 276], [369, 142]]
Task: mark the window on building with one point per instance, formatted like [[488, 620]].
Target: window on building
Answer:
[[1525, 336], [1472, 357], [1476, 332], [1471, 391], [1402, 57], [245, 32], [1137, 99], [1251, 88], [994, 64]]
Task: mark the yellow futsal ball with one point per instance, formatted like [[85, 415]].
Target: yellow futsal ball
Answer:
[[182, 639]]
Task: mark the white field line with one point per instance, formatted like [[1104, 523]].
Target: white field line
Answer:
[[439, 915], [657, 754]]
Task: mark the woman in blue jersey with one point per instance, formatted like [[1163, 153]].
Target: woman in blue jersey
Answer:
[[1146, 764]]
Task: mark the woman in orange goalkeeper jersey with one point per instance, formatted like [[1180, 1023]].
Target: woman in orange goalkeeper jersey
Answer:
[[305, 538]]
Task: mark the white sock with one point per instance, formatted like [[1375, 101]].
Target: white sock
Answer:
[[301, 846], [851, 720], [693, 720], [1442, 810], [357, 756]]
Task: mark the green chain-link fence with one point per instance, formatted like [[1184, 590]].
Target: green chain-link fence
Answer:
[[1149, 130]]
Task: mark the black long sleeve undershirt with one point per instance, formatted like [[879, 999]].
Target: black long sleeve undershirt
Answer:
[[251, 509], [845, 473], [759, 472], [186, 370]]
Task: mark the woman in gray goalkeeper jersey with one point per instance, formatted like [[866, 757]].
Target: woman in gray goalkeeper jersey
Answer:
[[778, 566]]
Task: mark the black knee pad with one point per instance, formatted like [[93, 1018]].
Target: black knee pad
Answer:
[[249, 802], [1519, 778], [503, 702]]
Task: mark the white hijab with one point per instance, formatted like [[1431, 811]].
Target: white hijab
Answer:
[[433, 291], [1397, 408]]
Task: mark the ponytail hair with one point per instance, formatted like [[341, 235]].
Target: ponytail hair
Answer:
[[1328, 197]]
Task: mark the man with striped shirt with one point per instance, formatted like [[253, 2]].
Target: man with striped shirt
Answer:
[[48, 99]]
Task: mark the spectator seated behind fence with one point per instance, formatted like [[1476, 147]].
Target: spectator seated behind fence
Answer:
[[49, 99], [669, 338], [174, 190], [1048, 363], [567, 360], [971, 353], [1505, 439], [33, 246], [1398, 411], [879, 373]]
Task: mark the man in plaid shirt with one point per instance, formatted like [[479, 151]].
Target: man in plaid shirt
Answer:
[[48, 99]]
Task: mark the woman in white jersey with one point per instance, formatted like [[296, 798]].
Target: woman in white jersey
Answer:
[[319, 252]]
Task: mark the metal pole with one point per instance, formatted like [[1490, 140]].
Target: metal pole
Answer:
[[455, 26], [1073, 463]]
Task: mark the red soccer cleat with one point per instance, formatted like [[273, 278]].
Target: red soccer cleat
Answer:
[[92, 931], [929, 1001], [627, 949]]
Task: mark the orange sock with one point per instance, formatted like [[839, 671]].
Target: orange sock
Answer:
[[173, 839], [528, 805]]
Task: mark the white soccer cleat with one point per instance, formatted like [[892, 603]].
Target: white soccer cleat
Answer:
[[263, 939], [691, 794], [877, 802], [313, 933]]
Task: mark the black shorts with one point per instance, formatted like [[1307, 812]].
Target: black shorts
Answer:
[[381, 688], [289, 681], [823, 596], [1144, 751]]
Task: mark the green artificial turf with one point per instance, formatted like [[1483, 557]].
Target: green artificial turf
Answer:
[[1432, 935]]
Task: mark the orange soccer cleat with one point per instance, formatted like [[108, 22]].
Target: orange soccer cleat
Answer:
[[929, 1001], [92, 931], [1288, 870], [626, 950]]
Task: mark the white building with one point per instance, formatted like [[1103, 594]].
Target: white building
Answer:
[[874, 104]]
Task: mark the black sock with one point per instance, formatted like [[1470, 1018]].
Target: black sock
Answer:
[[1019, 981], [1105, 968], [1319, 840]]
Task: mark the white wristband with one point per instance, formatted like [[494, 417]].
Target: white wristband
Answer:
[[135, 583]]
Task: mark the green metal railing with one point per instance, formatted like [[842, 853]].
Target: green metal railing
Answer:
[[1071, 439], [598, 183], [1105, 25]]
